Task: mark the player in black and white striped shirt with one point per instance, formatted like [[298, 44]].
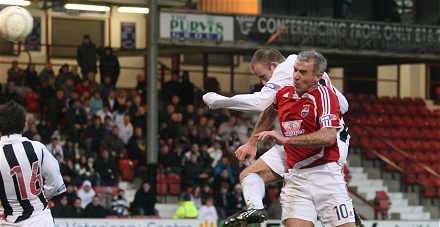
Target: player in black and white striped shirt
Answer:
[[29, 174]]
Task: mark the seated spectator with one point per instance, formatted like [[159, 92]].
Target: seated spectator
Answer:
[[141, 86], [139, 118], [69, 149], [112, 143], [237, 193], [76, 120], [215, 152], [62, 209], [125, 129], [108, 124], [122, 96], [196, 196], [86, 193], [194, 172], [63, 75], [70, 194], [93, 136], [224, 201], [32, 78], [68, 87], [10, 93], [104, 112], [208, 211], [54, 147], [87, 105], [111, 101], [118, 115], [48, 90], [223, 177], [78, 211], [144, 201], [31, 130], [106, 198], [274, 210], [120, 204], [85, 170], [84, 89], [16, 74], [97, 102], [165, 158], [224, 164], [46, 72], [57, 109], [95, 209], [206, 192], [106, 86], [45, 131], [186, 209], [137, 147], [70, 176], [107, 169]]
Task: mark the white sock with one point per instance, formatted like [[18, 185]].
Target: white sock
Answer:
[[253, 191]]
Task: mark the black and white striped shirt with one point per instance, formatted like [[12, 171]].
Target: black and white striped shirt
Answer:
[[29, 176]]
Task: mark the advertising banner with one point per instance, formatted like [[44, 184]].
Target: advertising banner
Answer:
[[128, 35], [196, 26], [353, 35], [84, 222]]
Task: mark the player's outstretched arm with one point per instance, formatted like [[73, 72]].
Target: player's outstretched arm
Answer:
[[50, 170], [250, 148], [321, 138], [258, 101]]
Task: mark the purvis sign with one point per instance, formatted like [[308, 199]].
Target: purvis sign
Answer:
[[196, 26]]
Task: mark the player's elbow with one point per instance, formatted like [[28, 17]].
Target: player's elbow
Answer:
[[328, 141]]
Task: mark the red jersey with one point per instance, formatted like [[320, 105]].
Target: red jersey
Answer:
[[298, 116]]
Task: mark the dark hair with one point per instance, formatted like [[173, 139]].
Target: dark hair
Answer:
[[265, 56], [12, 118]]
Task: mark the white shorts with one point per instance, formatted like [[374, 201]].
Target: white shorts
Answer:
[[317, 192], [276, 157], [44, 218]]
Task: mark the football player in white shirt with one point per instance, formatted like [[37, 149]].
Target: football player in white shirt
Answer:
[[29, 173], [275, 71]]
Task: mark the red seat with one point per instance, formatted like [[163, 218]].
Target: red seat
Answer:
[[100, 189], [161, 184], [174, 182], [33, 101], [127, 168]]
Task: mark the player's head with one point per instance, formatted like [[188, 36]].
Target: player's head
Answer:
[[12, 119], [318, 61], [308, 70], [264, 62]]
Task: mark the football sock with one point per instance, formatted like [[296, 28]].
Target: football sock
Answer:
[[253, 191]]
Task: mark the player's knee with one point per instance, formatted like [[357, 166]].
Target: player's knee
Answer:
[[243, 174]]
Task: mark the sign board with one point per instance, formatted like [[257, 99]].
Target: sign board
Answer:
[[341, 34], [370, 223], [33, 41], [128, 35], [196, 26], [85, 222]]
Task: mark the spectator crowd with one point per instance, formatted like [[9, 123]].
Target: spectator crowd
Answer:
[[98, 124]]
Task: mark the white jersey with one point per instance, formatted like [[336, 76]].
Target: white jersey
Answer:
[[259, 101], [29, 176]]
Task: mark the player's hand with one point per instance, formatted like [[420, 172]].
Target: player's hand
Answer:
[[210, 98], [245, 150], [272, 135]]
